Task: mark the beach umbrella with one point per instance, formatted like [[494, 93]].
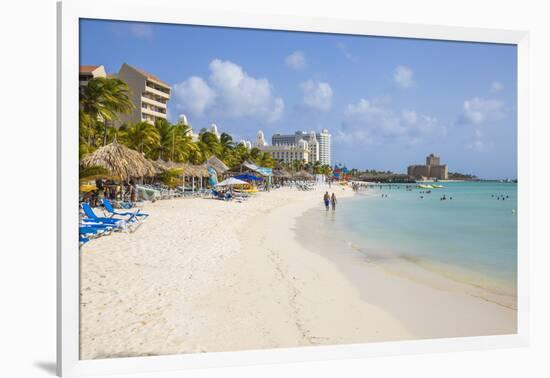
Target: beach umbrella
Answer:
[[119, 161], [231, 181], [249, 177]]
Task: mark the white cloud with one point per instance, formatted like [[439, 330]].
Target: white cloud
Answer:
[[317, 95], [229, 91], [409, 116], [496, 86], [403, 77], [344, 49], [141, 30], [375, 121], [478, 110], [479, 143], [195, 95], [296, 60]]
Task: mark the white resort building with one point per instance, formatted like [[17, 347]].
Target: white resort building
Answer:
[[286, 153], [290, 147], [182, 119], [212, 129], [318, 144]]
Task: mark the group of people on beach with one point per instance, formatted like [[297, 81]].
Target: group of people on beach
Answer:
[[328, 199], [500, 197], [111, 191]]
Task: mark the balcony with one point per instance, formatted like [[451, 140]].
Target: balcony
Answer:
[[150, 101], [154, 91], [153, 113]]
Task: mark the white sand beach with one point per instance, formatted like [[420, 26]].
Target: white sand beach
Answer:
[[205, 275]]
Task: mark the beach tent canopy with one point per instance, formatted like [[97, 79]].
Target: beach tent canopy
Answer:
[[217, 164], [119, 161], [231, 181], [248, 177]]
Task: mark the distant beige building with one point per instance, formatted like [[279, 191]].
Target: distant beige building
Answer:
[[432, 170], [148, 93], [432, 160], [87, 73]]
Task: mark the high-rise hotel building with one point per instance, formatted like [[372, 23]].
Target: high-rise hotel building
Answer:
[[148, 93], [286, 153], [317, 144]]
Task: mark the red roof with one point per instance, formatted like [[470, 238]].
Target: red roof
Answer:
[[88, 69]]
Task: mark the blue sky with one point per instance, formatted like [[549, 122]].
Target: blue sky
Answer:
[[388, 102]]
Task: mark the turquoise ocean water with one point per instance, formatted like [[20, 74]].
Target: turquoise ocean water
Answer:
[[471, 237]]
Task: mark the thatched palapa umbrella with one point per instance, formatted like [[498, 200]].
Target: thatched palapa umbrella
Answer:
[[120, 161], [217, 164], [304, 175], [195, 171], [162, 166]]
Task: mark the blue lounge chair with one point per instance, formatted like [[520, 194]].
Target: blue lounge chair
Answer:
[[217, 195], [92, 231], [100, 226], [109, 207], [83, 240], [94, 218]]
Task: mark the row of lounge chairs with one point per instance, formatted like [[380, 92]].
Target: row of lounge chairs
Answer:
[[163, 192], [92, 225], [304, 185]]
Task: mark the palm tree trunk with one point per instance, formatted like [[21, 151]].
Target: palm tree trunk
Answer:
[[173, 144], [105, 133]]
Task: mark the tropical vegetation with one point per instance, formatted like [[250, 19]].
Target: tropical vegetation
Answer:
[[105, 100]]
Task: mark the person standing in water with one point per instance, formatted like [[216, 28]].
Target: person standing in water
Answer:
[[333, 201], [326, 198]]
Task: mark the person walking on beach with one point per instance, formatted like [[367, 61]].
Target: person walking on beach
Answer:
[[333, 201], [326, 198]]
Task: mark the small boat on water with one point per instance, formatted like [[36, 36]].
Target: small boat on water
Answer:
[[437, 186], [424, 187]]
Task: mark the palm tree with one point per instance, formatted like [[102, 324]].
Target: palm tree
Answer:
[[254, 153], [265, 160], [143, 137], [326, 170], [182, 142], [238, 155], [119, 134], [317, 167], [298, 165], [227, 145], [209, 145], [165, 131], [104, 99]]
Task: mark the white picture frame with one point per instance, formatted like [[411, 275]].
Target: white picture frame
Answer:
[[69, 13]]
